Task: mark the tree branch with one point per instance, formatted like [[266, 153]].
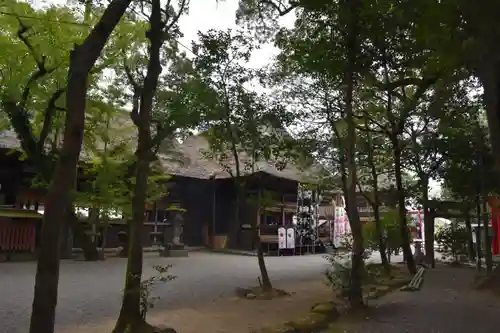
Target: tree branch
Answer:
[[422, 87], [366, 196], [21, 124], [40, 63], [279, 7], [177, 16], [48, 119], [136, 88]]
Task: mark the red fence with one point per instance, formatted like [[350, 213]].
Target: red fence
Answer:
[[494, 203], [17, 236]]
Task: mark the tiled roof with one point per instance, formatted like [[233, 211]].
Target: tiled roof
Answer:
[[188, 158]]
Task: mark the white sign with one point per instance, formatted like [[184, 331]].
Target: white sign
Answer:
[[290, 238], [281, 238]]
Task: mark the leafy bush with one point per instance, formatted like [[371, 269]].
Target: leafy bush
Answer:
[[452, 241], [147, 301], [338, 274], [391, 230]]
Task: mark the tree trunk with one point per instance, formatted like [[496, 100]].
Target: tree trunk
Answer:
[[382, 248], [478, 234], [82, 59], [89, 248], [132, 316], [490, 78], [428, 224], [376, 204], [488, 256], [45, 168], [351, 43], [264, 275], [66, 241], [405, 237], [235, 227], [470, 242]]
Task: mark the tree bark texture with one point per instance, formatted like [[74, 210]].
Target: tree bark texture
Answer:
[[375, 203], [428, 226], [403, 225], [351, 45], [132, 317], [82, 59]]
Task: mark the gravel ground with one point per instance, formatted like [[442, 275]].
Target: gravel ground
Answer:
[[91, 291]]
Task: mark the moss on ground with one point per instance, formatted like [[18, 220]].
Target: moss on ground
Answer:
[[326, 315], [259, 293]]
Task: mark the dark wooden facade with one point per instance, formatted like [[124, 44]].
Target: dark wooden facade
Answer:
[[387, 199], [209, 204]]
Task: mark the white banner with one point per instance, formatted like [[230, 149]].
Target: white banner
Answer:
[[290, 238], [281, 238]]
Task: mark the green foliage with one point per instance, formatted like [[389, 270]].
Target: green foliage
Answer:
[[262, 200], [339, 272], [452, 241], [469, 164], [148, 285], [391, 230], [242, 127], [110, 187], [176, 110]]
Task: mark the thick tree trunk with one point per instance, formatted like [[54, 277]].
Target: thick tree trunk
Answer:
[[264, 275], [488, 256], [490, 78], [66, 241], [478, 234], [82, 59], [405, 237], [470, 243], [47, 272], [428, 225], [376, 205], [89, 248], [45, 168], [351, 44], [235, 227], [382, 248], [132, 317]]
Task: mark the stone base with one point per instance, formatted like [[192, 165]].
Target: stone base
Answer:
[[177, 253]]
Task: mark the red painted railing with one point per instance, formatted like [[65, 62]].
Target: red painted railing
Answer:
[[494, 203], [17, 236]]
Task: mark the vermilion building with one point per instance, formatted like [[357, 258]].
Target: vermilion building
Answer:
[[494, 203]]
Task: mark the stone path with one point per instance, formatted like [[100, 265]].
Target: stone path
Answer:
[[445, 304]]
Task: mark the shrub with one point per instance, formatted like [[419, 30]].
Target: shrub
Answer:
[[392, 236], [338, 274], [452, 241], [148, 301]]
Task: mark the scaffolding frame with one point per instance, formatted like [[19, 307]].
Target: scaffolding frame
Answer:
[[307, 231]]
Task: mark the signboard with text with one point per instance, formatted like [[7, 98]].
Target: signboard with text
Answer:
[[282, 238], [290, 238]]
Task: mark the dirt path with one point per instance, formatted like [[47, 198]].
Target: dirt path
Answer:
[[231, 315], [445, 304]]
